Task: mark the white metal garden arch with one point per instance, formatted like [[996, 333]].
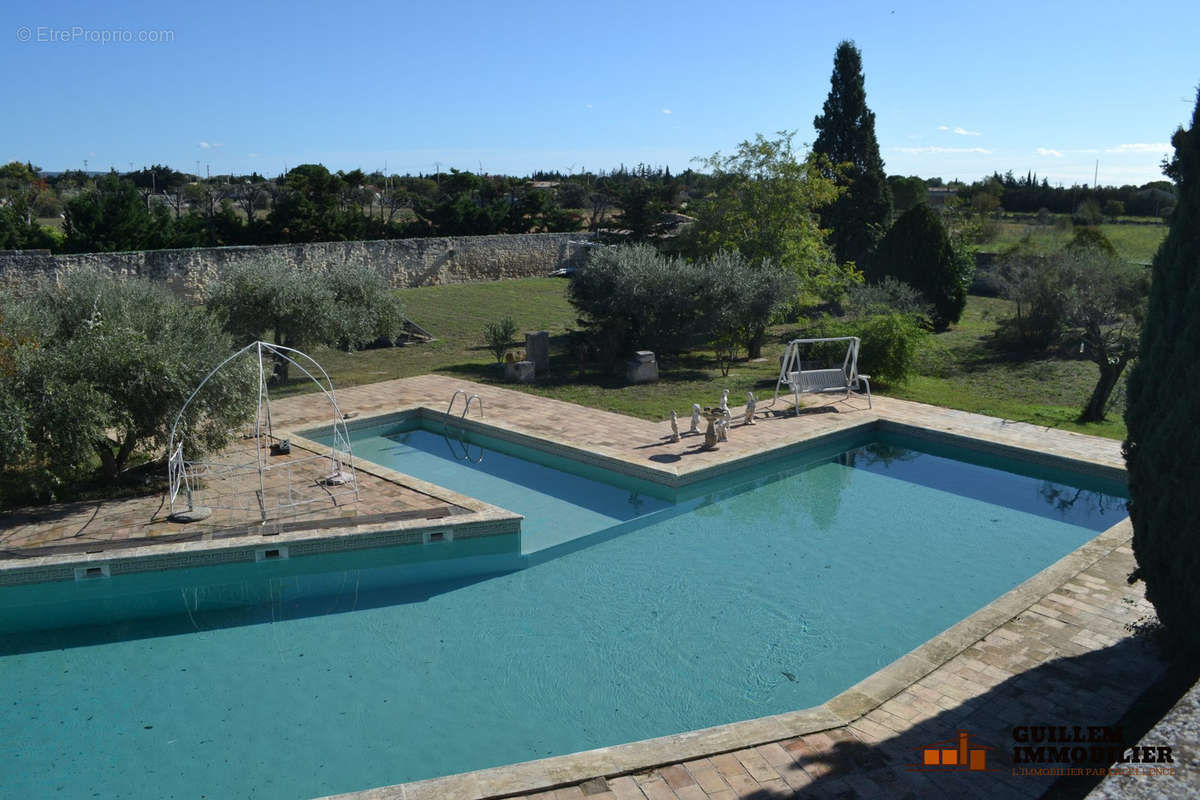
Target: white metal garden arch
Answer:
[[271, 480]]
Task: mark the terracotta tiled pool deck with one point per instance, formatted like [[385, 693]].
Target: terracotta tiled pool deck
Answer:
[[1061, 649]]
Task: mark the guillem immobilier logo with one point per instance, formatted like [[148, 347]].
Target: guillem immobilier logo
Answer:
[[1041, 750], [953, 755], [1085, 750]]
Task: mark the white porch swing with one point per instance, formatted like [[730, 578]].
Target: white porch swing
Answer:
[[843, 380]]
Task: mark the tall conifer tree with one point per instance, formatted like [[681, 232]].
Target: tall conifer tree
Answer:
[[1162, 451], [846, 135]]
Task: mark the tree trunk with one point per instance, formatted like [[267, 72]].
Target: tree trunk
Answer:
[[107, 461], [112, 463], [754, 343], [281, 363], [1109, 375]]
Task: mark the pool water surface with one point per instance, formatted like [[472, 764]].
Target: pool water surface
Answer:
[[631, 612]]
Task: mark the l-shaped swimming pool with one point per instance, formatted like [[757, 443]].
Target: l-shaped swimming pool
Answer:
[[628, 610]]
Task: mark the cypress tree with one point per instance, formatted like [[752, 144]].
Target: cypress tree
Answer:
[[846, 135], [917, 251], [1162, 451]]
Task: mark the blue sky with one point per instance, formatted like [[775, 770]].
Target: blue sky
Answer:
[[958, 89]]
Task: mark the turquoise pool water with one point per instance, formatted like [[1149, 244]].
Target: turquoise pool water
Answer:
[[763, 592]]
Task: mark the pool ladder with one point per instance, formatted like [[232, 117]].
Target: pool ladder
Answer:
[[462, 434]]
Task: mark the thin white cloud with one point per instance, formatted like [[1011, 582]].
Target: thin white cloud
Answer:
[[253, 155], [589, 105], [1141, 147], [666, 111], [936, 149], [965, 132], [1045, 151], [208, 145], [943, 127]]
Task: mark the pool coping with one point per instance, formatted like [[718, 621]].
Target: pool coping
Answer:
[[842, 709], [469, 518]]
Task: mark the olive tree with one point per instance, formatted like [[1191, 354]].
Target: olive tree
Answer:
[[634, 297], [96, 368], [742, 299], [303, 306], [1103, 303]]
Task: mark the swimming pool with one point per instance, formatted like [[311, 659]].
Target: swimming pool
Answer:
[[655, 610]]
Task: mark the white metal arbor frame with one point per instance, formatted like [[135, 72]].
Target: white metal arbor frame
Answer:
[[253, 480]]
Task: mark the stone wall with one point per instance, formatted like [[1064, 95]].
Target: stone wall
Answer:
[[406, 262]]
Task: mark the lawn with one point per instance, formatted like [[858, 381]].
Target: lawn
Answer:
[[961, 368], [1133, 242]]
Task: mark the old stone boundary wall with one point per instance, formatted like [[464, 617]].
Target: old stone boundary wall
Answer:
[[406, 263]]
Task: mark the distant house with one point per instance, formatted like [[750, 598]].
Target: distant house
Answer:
[[940, 195]]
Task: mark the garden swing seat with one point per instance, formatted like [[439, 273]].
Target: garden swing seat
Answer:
[[843, 380]]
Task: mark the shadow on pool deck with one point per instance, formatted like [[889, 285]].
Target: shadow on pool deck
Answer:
[[846, 763]]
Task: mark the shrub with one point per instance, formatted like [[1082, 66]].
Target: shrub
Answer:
[[889, 294], [498, 336], [1091, 238], [918, 251], [1031, 283], [1088, 213], [889, 344]]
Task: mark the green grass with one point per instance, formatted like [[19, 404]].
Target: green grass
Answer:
[[1133, 242], [961, 368]]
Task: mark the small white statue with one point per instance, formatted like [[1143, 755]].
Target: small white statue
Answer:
[[722, 426], [751, 403], [695, 418], [725, 402], [674, 427]]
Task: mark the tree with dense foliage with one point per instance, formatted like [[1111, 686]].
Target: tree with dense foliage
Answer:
[[762, 204], [918, 251], [633, 297], [907, 192], [97, 367], [744, 298], [1163, 445], [846, 137], [1094, 238], [1031, 283], [298, 307], [112, 216]]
